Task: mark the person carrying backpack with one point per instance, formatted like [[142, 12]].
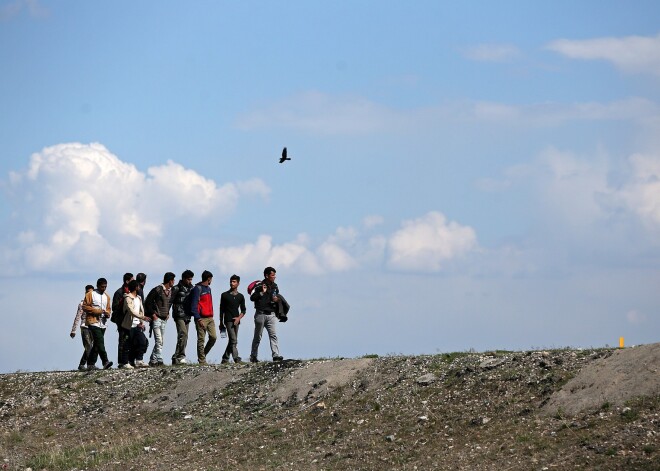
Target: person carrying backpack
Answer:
[[181, 316], [201, 308], [265, 298]]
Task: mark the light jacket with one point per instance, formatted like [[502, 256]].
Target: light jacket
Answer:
[[95, 306], [132, 309]]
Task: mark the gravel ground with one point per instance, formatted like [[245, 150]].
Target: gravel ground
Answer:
[[538, 410]]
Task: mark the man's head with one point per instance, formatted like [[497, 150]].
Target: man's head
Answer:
[[133, 286], [269, 274], [207, 277], [187, 277], [101, 285], [168, 279], [141, 278], [89, 288], [127, 277], [234, 281]]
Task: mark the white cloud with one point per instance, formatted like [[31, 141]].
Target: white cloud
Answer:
[[424, 244], [493, 52], [80, 207], [372, 221], [323, 114], [632, 54], [33, 7], [254, 257], [641, 192]]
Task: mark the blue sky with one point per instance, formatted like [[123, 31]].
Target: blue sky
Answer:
[[480, 175]]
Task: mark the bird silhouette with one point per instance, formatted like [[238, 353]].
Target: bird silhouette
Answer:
[[284, 157]]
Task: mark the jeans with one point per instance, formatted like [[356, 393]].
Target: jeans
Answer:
[[232, 341], [159, 336], [99, 346], [268, 320], [88, 344], [207, 325], [181, 339]]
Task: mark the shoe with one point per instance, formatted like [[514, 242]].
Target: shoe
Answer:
[[238, 360], [153, 363], [278, 358], [107, 364], [92, 367], [254, 360], [202, 363], [82, 367], [141, 364], [183, 361], [224, 361], [160, 363], [125, 366]]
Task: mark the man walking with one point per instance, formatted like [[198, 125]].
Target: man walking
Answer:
[[232, 310], [201, 308], [181, 318], [265, 301], [133, 321], [157, 305], [117, 317], [96, 306], [85, 333]]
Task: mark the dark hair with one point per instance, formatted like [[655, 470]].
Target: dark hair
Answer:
[[128, 277], [187, 274], [101, 281], [235, 277], [141, 277], [88, 287], [206, 275], [268, 270], [133, 285], [169, 276]]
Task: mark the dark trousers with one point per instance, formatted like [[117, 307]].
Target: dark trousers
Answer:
[[88, 344], [232, 341], [181, 339], [99, 346], [124, 345], [138, 343]]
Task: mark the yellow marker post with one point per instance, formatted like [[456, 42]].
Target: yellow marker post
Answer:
[[620, 342]]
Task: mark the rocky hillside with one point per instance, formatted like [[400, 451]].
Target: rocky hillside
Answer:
[[535, 410]]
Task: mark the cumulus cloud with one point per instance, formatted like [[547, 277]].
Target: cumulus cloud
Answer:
[[424, 244], [81, 206], [492, 52], [632, 54]]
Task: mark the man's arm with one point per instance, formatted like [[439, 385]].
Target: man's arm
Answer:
[[76, 320], [194, 302]]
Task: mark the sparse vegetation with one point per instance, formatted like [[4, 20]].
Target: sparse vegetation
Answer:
[[447, 411]]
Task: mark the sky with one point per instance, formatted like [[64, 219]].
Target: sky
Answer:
[[464, 175]]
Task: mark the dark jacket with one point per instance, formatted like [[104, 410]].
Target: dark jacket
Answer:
[[263, 302], [179, 293], [158, 303]]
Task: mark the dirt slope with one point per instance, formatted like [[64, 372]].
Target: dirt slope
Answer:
[[456, 411]]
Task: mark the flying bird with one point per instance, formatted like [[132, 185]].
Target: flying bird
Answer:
[[284, 157]]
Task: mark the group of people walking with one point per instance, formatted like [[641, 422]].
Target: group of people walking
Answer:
[[187, 303]]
